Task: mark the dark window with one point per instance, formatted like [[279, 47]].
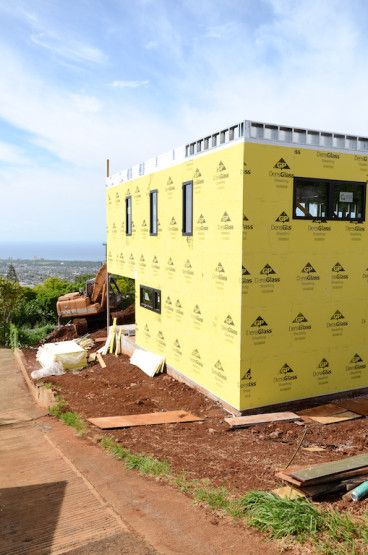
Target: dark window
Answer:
[[153, 212], [128, 215], [326, 199], [187, 228], [150, 298]]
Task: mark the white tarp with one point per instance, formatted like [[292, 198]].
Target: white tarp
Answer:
[[150, 363], [70, 354]]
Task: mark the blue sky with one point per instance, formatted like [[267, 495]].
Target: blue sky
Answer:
[[83, 81]]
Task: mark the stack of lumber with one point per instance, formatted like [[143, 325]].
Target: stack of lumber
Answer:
[[320, 479]]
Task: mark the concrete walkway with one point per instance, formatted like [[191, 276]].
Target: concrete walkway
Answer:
[[46, 505]]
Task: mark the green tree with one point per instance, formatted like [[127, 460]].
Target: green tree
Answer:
[[127, 288], [12, 274], [49, 292], [10, 294]]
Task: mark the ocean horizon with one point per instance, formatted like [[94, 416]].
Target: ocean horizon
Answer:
[[93, 251]]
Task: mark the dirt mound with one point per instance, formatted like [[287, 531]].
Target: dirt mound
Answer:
[[126, 316], [63, 333]]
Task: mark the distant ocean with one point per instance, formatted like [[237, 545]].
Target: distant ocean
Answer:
[[53, 251]]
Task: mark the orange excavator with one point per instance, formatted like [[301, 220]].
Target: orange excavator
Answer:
[[89, 302]]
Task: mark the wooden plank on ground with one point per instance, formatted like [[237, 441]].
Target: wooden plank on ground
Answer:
[[328, 414], [144, 419], [331, 468], [359, 405], [100, 339], [363, 472], [101, 360], [315, 449], [254, 419], [322, 410]]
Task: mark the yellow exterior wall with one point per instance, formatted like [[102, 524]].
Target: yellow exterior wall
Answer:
[[243, 313], [198, 329], [304, 347]]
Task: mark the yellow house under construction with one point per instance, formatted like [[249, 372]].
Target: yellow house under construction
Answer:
[[249, 250]]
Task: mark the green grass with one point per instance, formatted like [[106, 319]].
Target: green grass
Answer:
[[331, 532], [69, 418], [145, 464]]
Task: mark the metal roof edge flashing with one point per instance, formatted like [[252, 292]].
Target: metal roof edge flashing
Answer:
[[245, 131], [253, 131]]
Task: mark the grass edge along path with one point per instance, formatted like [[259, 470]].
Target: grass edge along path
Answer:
[[291, 520], [294, 520], [69, 418]]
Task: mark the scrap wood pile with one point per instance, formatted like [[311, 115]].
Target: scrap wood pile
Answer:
[[346, 476]]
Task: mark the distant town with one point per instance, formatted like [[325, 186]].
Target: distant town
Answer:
[[32, 272]]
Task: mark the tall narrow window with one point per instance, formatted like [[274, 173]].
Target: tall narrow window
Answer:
[[128, 215], [153, 212], [187, 228]]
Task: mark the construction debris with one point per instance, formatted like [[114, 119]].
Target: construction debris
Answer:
[[144, 419], [254, 419], [359, 405], [328, 414], [340, 475], [70, 354], [150, 363], [86, 343], [101, 360]]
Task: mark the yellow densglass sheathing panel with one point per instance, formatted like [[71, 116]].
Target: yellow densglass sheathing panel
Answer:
[[199, 328], [304, 283]]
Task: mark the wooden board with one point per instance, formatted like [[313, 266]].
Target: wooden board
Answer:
[[101, 360], [144, 419], [328, 414], [359, 405], [254, 419], [363, 472], [322, 410], [331, 468], [314, 449]]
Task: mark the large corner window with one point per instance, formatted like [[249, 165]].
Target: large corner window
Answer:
[[326, 199], [128, 215], [153, 212], [150, 298], [187, 228]]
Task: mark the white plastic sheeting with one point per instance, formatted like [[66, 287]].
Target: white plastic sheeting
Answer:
[[70, 354]]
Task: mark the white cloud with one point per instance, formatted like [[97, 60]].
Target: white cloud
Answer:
[[12, 154], [152, 44], [85, 103], [129, 84], [69, 49], [220, 31]]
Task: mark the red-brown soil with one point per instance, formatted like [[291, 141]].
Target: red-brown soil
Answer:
[[242, 459]]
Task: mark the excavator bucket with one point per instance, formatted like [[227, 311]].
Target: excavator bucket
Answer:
[[99, 283]]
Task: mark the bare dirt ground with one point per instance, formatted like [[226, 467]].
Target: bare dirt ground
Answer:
[[241, 460]]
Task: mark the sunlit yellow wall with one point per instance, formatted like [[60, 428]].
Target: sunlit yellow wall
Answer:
[[304, 333], [198, 329]]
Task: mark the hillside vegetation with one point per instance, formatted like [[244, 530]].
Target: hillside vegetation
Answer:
[[27, 315]]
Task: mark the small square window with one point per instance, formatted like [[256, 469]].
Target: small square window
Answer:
[[150, 298]]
